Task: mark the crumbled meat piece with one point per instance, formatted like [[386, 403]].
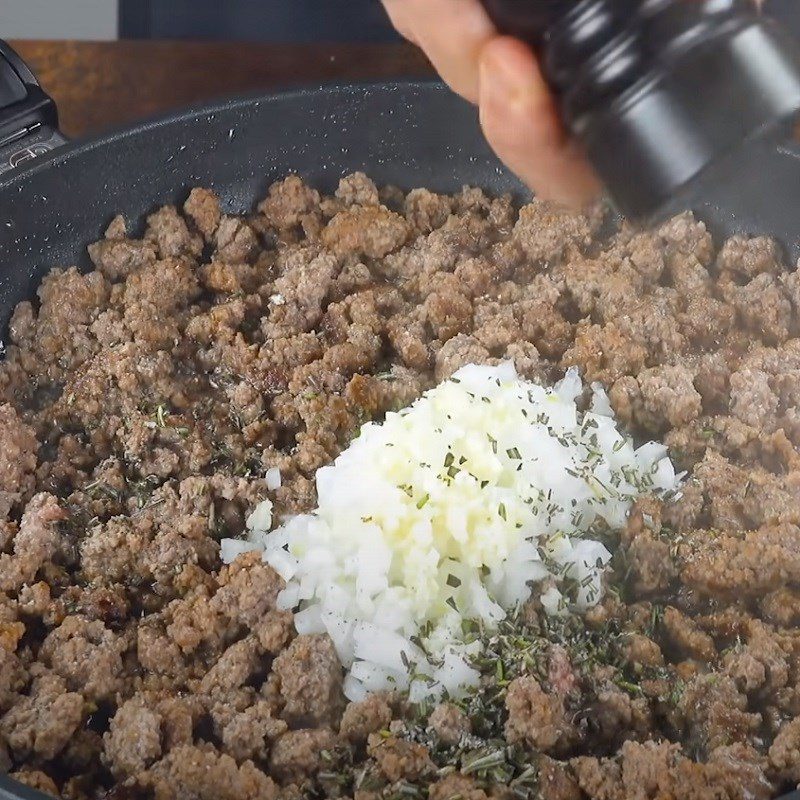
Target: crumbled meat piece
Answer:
[[782, 607], [195, 773], [535, 718], [43, 722], [668, 396], [707, 322], [684, 634], [449, 723], [359, 720], [760, 561], [651, 565], [784, 753], [372, 231], [741, 259], [166, 285], [275, 631], [737, 770], [133, 740], [615, 716], [111, 553], [297, 754], [689, 276], [763, 308], [117, 228], [410, 341], [605, 353], [685, 235], [718, 712], [644, 651], [752, 399], [202, 207], [87, 655], [18, 448], [769, 651], [302, 290], [726, 488], [545, 328], [117, 257], [234, 668], [427, 211], [458, 352], [311, 681], [398, 759], [545, 230], [448, 314], [36, 542], [248, 590], [556, 781], [250, 733], [357, 189], [288, 203], [13, 677], [455, 785], [602, 288], [748, 672], [236, 241], [56, 340], [168, 230]]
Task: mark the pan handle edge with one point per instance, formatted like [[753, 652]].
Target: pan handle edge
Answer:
[[28, 115]]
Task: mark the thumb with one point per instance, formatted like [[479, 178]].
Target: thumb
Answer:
[[521, 122]]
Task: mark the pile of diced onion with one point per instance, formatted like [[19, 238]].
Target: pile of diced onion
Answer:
[[451, 513]]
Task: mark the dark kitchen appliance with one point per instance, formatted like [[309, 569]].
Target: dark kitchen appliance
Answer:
[[678, 103]]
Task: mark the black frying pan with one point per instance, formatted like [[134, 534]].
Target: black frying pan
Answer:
[[59, 197]]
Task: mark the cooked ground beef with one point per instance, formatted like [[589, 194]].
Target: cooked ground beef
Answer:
[[141, 405]]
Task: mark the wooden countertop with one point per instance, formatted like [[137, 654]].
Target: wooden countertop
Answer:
[[102, 85]]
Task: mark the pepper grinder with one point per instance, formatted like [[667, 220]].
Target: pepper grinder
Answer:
[[678, 103]]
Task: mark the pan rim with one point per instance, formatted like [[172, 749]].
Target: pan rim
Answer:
[[241, 101]]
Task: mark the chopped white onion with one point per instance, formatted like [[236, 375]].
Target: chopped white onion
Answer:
[[261, 518], [273, 478], [452, 510]]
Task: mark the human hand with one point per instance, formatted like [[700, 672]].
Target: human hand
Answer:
[[502, 76]]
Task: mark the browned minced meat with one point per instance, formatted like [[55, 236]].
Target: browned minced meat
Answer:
[[361, 719], [535, 718], [310, 677], [141, 404], [449, 723], [397, 758]]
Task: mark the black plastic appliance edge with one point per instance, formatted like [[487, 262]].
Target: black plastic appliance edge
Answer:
[[56, 196]]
